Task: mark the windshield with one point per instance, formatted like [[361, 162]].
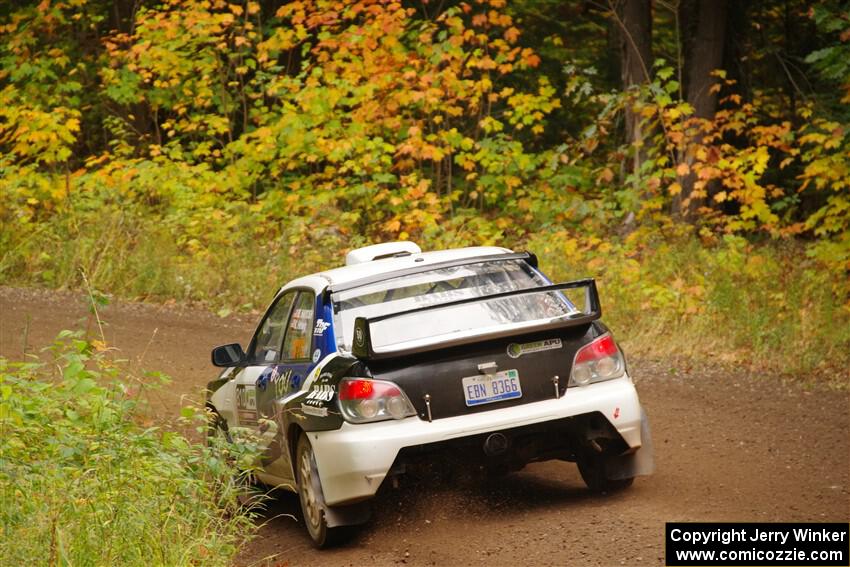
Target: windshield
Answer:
[[444, 285]]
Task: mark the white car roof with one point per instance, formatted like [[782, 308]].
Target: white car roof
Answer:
[[319, 281]]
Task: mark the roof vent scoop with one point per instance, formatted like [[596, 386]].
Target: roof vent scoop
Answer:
[[381, 251]]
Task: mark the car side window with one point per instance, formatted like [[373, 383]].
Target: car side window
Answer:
[[296, 344], [267, 343]]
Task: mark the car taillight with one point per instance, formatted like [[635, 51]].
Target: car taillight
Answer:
[[362, 400], [598, 361]]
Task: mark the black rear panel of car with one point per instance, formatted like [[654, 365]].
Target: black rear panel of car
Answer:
[[537, 358]]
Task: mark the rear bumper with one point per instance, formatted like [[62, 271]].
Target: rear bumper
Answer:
[[354, 460]]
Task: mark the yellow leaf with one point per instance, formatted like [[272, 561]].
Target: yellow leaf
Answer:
[[675, 189], [647, 111]]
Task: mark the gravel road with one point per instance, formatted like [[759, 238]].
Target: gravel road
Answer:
[[729, 446]]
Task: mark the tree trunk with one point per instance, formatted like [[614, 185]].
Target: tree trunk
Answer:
[[705, 56], [635, 24]]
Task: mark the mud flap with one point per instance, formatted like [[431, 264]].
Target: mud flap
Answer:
[[351, 515], [638, 463], [335, 516]]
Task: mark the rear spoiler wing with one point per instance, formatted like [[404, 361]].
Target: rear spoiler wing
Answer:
[[362, 344]]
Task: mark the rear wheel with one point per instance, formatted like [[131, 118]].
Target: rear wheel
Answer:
[[592, 465], [310, 496]]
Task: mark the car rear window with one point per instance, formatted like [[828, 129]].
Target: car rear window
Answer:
[[444, 285]]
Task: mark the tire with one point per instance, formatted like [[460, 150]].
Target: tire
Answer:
[[247, 495], [592, 465], [216, 427], [311, 499]]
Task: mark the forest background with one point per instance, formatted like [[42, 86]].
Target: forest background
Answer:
[[692, 155]]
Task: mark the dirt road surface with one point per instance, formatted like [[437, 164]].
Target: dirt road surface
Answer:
[[729, 446]]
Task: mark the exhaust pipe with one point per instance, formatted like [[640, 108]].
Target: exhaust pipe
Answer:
[[496, 444]]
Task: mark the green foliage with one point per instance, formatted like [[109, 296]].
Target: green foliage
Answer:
[[833, 60], [44, 70], [87, 479], [750, 171], [668, 293]]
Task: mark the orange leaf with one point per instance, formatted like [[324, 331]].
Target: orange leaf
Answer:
[[511, 34]]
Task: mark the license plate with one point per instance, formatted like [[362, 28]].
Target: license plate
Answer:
[[246, 404], [489, 388]]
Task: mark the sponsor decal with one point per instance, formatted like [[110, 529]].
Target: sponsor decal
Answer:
[[300, 319], [246, 404], [246, 398], [516, 350], [317, 354], [281, 381], [321, 393], [358, 336], [314, 411], [276, 376], [616, 413], [321, 327], [316, 373]]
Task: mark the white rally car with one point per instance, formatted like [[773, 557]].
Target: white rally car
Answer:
[[402, 356]]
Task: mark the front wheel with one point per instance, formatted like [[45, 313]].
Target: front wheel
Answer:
[[310, 496], [239, 490], [593, 465], [217, 432]]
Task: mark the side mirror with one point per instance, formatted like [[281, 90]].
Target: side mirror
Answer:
[[228, 355]]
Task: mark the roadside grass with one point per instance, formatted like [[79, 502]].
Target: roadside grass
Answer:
[[87, 479], [665, 292], [765, 306]]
